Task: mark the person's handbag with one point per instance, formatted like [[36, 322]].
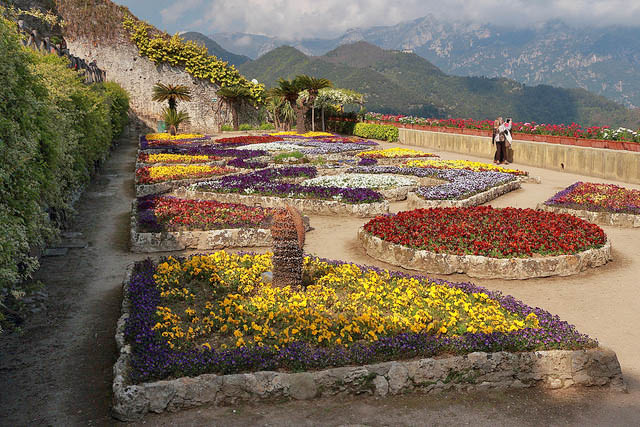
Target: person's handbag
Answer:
[[509, 153]]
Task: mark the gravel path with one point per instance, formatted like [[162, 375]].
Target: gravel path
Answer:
[[58, 371]]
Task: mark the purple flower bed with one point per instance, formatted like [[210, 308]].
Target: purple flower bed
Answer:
[[144, 144], [367, 161], [152, 359], [241, 163], [266, 182], [462, 183]]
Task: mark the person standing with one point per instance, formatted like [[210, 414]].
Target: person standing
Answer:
[[499, 140]]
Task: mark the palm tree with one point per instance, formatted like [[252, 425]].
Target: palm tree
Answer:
[[234, 96], [313, 86], [174, 118], [171, 93], [289, 90]]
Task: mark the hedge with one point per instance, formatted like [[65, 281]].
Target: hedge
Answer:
[[54, 132], [381, 132]]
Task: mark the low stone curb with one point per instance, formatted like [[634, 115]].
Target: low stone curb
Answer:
[[167, 186], [165, 241], [306, 206], [553, 369], [603, 218], [481, 266], [416, 202]]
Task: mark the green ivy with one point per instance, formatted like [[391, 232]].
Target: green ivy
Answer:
[[194, 58], [381, 132]]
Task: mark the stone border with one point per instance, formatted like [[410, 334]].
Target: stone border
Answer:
[[415, 201], [167, 186], [481, 266], [306, 206], [603, 218], [552, 369], [165, 241]]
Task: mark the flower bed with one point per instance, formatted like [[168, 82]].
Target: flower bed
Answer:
[[270, 146], [154, 174], [248, 139], [464, 164], [304, 135], [601, 203], [394, 153], [179, 137], [269, 182], [165, 213], [168, 158], [222, 318], [163, 140], [524, 341], [390, 186], [161, 223], [483, 230], [459, 184]]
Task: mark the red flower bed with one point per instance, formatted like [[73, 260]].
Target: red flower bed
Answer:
[[482, 230], [250, 139], [156, 213]]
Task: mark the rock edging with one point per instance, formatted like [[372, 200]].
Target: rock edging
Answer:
[[306, 206], [415, 202], [481, 266], [165, 241], [475, 371], [602, 218]]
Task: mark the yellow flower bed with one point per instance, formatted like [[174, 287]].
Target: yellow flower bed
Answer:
[[308, 134], [169, 137], [177, 158], [462, 164], [220, 301], [151, 174], [394, 153]]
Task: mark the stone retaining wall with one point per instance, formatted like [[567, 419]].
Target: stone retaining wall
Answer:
[[475, 371], [481, 266], [167, 186], [306, 206], [416, 202], [619, 165], [198, 239], [602, 218]]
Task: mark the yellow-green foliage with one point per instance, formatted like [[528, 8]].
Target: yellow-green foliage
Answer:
[[194, 58], [381, 132]]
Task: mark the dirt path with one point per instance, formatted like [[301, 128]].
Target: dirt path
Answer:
[[58, 372]]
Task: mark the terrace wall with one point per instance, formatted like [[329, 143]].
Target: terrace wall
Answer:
[[617, 165], [137, 75]]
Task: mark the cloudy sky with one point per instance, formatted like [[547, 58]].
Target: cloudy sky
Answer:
[[293, 19]]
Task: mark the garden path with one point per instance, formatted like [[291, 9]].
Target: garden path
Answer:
[[58, 372]]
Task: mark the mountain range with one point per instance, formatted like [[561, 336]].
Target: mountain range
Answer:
[[605, 60], [405, 83]]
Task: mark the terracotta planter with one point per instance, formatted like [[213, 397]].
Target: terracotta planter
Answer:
[[598, 143], [631, 146], [615, 145]]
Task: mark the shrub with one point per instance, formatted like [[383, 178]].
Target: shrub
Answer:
[[226, 128], [267, 126], [55, 131], [381, 132], [245, 126]]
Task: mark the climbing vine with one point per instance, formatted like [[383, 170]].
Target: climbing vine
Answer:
[[194, 58]]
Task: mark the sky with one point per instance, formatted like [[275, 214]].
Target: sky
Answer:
[[296, 19]]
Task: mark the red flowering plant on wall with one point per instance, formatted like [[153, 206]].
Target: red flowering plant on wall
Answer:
[[483, 230]]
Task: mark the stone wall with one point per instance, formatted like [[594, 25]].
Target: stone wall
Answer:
[[617, 165], [137, 75]]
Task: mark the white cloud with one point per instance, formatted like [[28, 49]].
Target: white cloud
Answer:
[[295, 19]]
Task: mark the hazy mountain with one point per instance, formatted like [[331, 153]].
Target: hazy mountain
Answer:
[[605, 60], [406, 83], [215, 49]]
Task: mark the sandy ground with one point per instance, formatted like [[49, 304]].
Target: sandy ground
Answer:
[[58, 371]]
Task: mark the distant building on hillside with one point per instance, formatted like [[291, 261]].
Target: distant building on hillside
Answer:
[[407, 50]]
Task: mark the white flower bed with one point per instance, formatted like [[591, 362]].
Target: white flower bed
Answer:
[[361, 180], [271, 146]]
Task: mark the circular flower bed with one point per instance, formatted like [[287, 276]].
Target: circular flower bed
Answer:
[[483, 230], [594, 197]]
